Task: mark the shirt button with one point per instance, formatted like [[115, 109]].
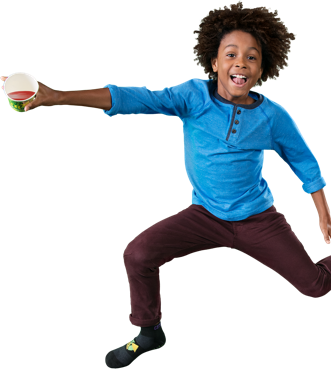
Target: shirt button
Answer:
[[234, 131], [236, 121], [239, 112]]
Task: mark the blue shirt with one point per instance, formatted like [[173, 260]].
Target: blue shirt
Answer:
[[224, 143]]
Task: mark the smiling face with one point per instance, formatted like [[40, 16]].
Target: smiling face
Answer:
[[238, 65]]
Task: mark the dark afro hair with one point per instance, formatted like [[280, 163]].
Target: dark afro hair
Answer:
[[269, 31]]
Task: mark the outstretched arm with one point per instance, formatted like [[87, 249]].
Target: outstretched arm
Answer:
[[99, 98]]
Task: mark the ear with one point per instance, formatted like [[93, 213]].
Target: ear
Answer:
[[214, 65]]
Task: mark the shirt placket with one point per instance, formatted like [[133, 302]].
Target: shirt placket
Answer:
[[235, 120]]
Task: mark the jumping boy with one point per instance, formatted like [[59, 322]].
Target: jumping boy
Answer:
[[226, 128]]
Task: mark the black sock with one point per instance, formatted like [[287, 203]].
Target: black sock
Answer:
[[149, 338], [151, 331]]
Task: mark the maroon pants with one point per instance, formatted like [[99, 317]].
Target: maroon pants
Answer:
[[267, 237]]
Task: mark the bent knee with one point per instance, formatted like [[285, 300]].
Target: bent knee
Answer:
[[136, 254], [313, 291]]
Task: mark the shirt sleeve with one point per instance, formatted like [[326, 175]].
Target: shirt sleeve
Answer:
[[181, 100], [290, 145]]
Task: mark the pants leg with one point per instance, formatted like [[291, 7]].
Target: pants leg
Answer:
[[193, 229], [268, 238]]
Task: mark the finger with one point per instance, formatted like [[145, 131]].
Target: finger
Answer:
[[3, 78], [326, 236], [28, 107]]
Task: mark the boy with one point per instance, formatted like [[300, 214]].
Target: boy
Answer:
[[226, 128]]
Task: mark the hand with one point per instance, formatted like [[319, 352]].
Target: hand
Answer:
[[44, 97], [325, 225]]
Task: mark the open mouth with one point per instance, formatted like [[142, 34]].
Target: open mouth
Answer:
[[238, 79]]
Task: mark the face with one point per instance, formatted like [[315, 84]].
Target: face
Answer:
[[239, 54]]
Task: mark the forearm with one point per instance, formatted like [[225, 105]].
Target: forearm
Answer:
[[320, 203], [99, 98]]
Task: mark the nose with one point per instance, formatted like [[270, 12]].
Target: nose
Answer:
[[240, 63]]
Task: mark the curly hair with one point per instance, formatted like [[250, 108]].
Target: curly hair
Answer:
[[269, 31]]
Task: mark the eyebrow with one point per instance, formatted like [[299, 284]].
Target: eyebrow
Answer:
[[251, 47]]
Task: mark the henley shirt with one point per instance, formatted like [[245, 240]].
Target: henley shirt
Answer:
[[224, 143]]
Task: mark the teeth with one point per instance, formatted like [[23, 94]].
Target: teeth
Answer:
[[238, 76]]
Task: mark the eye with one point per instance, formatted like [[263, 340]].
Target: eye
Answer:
[[249, 56]]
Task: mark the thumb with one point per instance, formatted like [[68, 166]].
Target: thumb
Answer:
[[28, 107], [327, 238]]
